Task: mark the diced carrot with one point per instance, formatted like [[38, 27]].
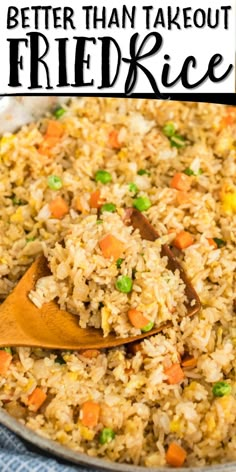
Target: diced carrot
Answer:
[[58, 208], [46, 146], [189, 362], [230, 118], [137, 319], [183, 240], [95, 200], [54, 129], [175, 455], [228, 121], [90, 414], [113, 139], [50, 141], [182, 197], [5, 360], [174, 374], [90, 353], [111, 247], [171, 230], [231, 109], [181, 181], [36, 399], [212, 243]]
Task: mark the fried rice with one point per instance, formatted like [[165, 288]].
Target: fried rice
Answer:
[[176, 389], [84, 282]]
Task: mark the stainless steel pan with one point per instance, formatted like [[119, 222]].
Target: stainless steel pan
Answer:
[[15, 112]]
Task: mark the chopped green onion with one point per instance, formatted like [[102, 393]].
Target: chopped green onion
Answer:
[[148, 327], [60, 360], [110, 207], [124, 284], [106, 435], [54, 182], [220, 389], [220, 242], [168, 129], [59, 112], [18, 201], [177, 141], [119, 262], [133, 188], [143, 172], [99, 222], [103, 176], [189, 171], [142, 203], [6, 349], [30, 240]]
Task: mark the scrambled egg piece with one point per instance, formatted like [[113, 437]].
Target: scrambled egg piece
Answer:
[[228, 198], [105, 314]]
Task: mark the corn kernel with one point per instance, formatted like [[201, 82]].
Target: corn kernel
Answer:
[[175, 426], [68, 427], [211, 424], [87, 433], [17, 217], [229, 202]]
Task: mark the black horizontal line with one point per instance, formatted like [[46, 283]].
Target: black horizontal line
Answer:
[[222, 98]]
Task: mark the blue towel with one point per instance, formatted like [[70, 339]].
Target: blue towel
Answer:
[[15, 456]]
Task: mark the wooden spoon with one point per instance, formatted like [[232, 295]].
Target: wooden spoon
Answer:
[[23, 324]]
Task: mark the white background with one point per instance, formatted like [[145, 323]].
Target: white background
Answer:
[[178, 44]]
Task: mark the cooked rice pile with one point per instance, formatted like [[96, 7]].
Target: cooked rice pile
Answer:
[[172, 398], [84, 281]]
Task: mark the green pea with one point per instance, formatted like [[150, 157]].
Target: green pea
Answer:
[[103, 176], [220, 242], [142, 203], [148, 327], [119, 262], [110, 207], [168, 129], [220, 389], [143, 172], [124, 284], [54, 182], [59, 112], [133, 188], [106, 435], [177, 141]]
